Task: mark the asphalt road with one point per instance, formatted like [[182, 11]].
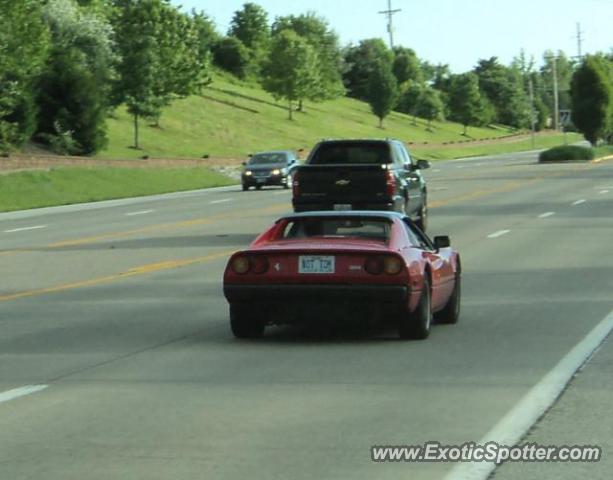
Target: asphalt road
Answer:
[[117, 310]]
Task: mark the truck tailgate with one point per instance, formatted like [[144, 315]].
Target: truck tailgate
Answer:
[[342, 183]]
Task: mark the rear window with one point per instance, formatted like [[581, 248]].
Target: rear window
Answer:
[[263, 158], [347, 153], [368, 228]]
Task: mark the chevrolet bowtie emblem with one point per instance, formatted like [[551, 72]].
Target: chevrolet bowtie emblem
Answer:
[[343, 183]]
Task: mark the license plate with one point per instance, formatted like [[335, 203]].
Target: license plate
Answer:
[[316, 264], [261, 180], [342, 206]]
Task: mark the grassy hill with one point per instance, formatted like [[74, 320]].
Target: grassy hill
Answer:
[[233, 118]]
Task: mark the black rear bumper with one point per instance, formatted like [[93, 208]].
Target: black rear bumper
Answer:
[[335, 293], [316, 206]]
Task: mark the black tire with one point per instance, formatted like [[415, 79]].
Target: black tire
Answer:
[[422, 221], [417, 325], [258, 187], [245, 187], [244, 323], [451, 313]]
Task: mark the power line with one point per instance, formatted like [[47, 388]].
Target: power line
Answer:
[[390, 14]]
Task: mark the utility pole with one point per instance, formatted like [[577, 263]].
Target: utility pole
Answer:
[[390, 28], [532, 119], [579, 41], [556, 101]]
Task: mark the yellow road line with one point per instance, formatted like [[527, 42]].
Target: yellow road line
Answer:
[[276, 208], [136, 271]]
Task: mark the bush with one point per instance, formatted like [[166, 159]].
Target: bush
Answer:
[[565, 153], [230, 54]]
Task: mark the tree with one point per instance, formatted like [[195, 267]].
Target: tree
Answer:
[[406, 65], [250, 26], [592, 99], [361, 61], [409, 97], [24, 46], [465, 102], [316, 31], [74, 87], [430, 105], [161, 57], [506, 90], [383, 91], [291, 71]]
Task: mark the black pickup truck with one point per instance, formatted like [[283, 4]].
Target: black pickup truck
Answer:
[[362, 175]]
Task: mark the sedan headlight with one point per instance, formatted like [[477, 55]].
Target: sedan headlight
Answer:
[[276, 171], [248, 172]]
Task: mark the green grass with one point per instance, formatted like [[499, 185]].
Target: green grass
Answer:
[[603, 151], [232, 119], [61, 186], [502, 146]]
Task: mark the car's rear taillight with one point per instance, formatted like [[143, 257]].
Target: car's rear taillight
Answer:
[[240, 265], [245, 264], [389, 264], [374, 265], [390, 183], [295, 185], [259, 264], [392, 265]]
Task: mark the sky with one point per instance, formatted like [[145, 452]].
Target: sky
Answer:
[[458, 33]]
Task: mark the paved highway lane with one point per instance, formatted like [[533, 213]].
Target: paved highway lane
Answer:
[[118, 311]]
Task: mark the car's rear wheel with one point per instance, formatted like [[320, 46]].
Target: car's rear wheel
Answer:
[[417, 325], [244, 322], [451, 313]]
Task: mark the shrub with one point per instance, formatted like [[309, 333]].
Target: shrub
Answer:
[[230, 54], [566, 153]]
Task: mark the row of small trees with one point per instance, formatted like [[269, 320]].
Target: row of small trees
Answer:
[[66, 64]]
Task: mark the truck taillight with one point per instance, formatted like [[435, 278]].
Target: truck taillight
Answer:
[[295, 185], [390, 182]]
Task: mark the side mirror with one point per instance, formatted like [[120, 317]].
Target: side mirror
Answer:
[[244, 163], [442, 241], [250, 155], [423, 164]]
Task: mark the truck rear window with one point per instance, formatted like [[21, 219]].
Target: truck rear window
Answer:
[[351, 153]]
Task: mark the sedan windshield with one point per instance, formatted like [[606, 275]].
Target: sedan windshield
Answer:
[[266, 158]]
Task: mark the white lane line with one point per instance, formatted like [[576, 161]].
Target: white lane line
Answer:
[[223, 200], [140, 212], [282, 192], [579, 202], [20, 392], [439, 188], [436, 170], [603, 191], [514, 425], [499, 233], [23, 229], [546, 214]]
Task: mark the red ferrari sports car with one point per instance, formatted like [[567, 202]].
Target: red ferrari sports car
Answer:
[[351, 265]]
